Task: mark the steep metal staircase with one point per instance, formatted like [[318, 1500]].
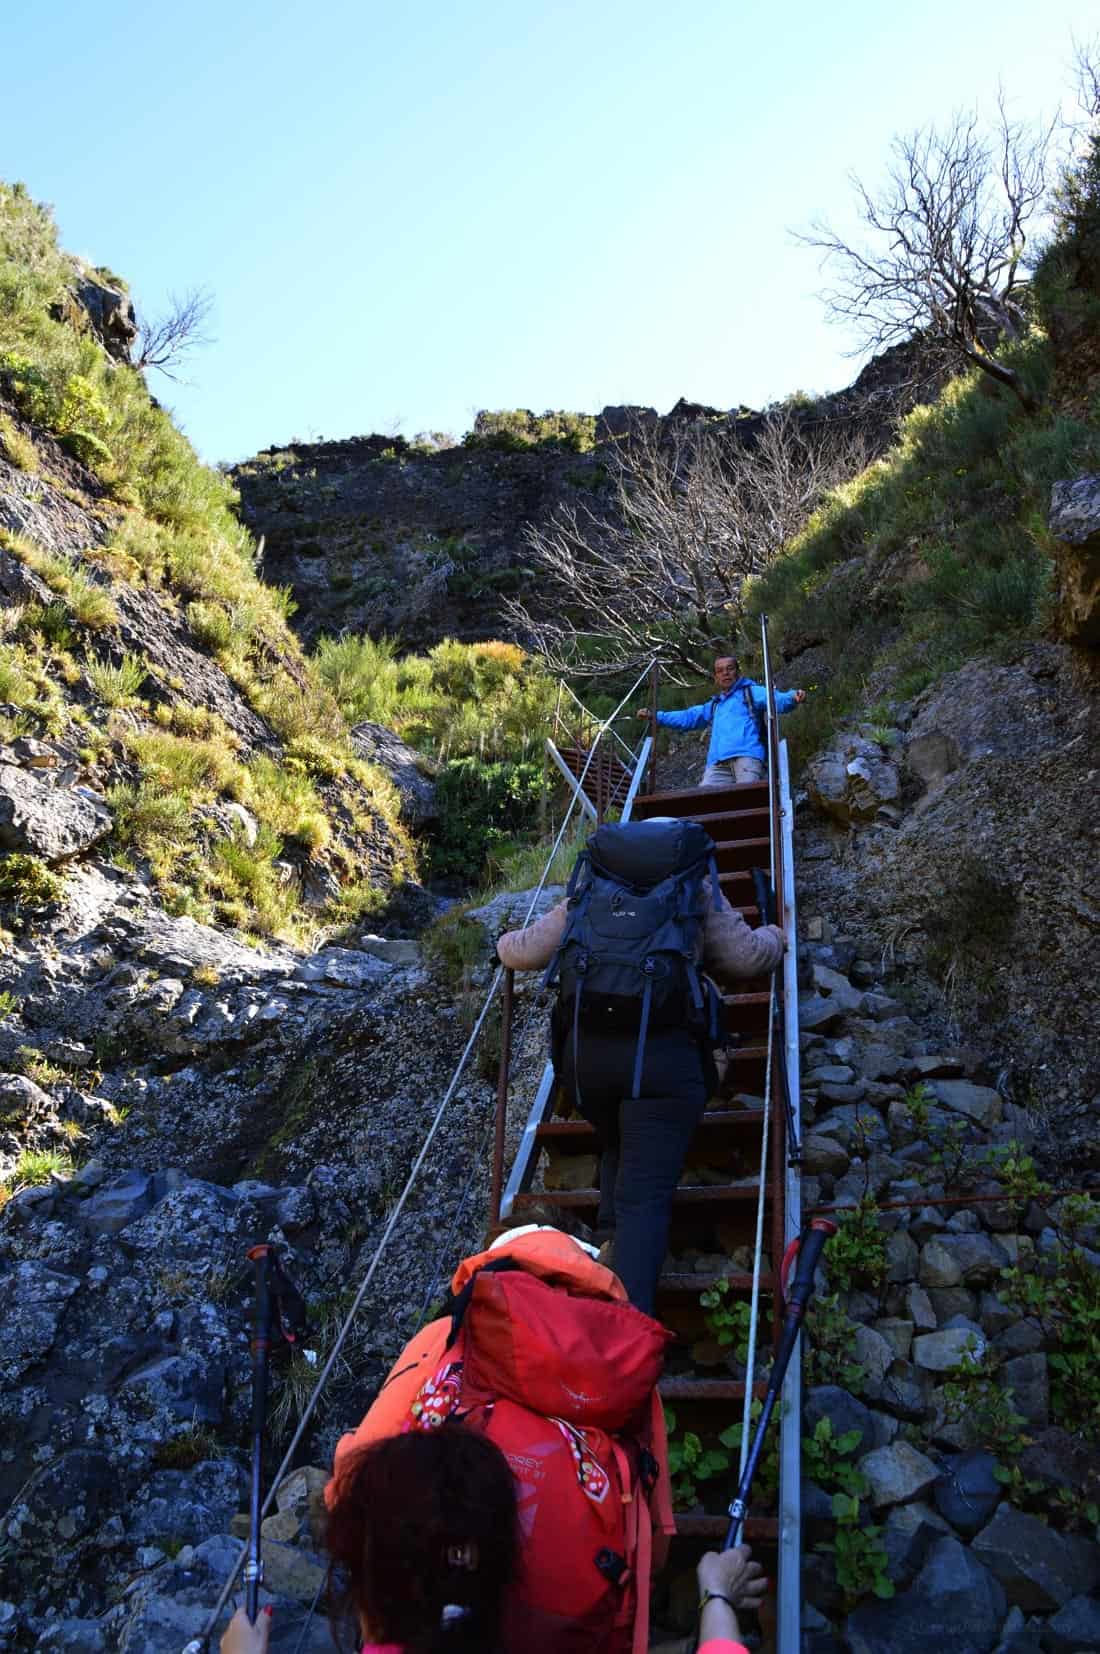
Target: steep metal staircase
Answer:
[[714, 1214]]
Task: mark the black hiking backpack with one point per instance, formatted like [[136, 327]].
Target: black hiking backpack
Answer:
[[628, 961]]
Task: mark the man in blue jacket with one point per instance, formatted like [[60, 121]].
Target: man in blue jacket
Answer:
[[736, 714]]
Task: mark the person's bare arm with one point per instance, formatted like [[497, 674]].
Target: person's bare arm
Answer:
[[532, 949]]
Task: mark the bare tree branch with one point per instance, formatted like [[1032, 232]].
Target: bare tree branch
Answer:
[[661, 568], [948, 231], [165, 342]]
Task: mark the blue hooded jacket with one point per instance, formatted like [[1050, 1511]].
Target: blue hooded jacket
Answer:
[[733, 731]]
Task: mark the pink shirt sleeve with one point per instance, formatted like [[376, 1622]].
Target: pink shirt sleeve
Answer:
[[721, 1645]]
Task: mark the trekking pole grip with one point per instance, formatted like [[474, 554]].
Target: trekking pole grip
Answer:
[[809, 1254]]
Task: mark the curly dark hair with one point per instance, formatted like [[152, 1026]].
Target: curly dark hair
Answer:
[[422, 1521]]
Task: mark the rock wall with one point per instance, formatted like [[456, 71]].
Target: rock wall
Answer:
[[970, 1477], [961, 842]]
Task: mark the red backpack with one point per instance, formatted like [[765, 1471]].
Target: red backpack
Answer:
[[563, 1385]]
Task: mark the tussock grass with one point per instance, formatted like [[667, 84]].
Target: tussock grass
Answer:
[[16, 448], [117, 685]]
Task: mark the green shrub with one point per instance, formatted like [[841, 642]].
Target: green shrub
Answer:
[[481, 806]]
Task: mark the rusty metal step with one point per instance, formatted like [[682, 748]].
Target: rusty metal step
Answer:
[[696, 803], [691, 1194], [706, 1389], [579, 1131], [758, 1529], [683, 1285], [735, 855]]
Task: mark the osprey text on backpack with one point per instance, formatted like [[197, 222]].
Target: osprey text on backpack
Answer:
[[628, 961]]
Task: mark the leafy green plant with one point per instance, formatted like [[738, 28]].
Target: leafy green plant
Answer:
[[856, 1255], [858, 1553], [827, 1348], [727, 1318], [1059, 1288], [9, 1005], [691, 1461], [827, 1459], [972, 1395]]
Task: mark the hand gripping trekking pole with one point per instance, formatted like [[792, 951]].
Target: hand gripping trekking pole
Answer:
[[765, 901], [808, 1251]]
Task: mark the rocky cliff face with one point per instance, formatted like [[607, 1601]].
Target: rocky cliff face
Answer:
[[373, 534]]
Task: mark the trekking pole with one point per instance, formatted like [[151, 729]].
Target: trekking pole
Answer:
[[261, 1345], [765, 901], [280, 1312], [808, 1251]]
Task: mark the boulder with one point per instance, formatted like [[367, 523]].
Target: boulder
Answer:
[[938, 1265], [185, 1387], [941, 1352], [908, 1533], [1040, 1569], [873, 1353], [43, 820], [979, 1103], [109, 310], [954, 1603], [844, 1412], [897, 1474], [1059, 1459], [968, 1492], [33, 1298], [117, 1203], [918, 1307], [979, 1257], [405, 767], [851, 780], [1074, 1629], [185, 1505], [21, 1101], [823, 1154], [902, 1258], [1075, 524], [1027, 1377]]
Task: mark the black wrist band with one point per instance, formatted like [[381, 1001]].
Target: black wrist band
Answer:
[[715, 1596]]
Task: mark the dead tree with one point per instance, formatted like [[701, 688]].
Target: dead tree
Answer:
[[658, 567], [948, 233], [165, 343]]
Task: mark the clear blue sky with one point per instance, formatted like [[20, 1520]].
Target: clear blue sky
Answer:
[[406, 214]]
